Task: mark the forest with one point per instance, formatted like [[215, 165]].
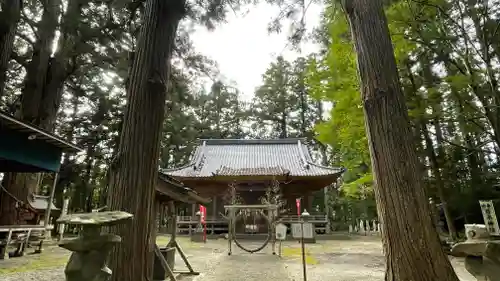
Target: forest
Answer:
[[72, 67]]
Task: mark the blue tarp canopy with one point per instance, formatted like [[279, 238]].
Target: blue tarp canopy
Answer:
[[26, 148]]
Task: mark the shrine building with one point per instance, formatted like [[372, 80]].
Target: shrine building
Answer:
[[252, 166]]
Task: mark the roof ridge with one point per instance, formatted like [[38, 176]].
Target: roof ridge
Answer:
[[250, 141]]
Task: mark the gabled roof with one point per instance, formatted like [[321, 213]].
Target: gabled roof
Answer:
[[175, 190], [14, 124], [40, 203], [241, 157]]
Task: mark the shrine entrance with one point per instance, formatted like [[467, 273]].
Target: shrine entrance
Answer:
[[247, 221]]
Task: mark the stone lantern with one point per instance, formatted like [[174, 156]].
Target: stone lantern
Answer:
[[481, 252], [91, 248]]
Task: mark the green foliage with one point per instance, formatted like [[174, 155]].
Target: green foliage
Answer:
[[281, 107], [445, 64], [333, 78]]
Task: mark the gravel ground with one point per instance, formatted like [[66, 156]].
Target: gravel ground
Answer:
[[359, 258], [240, 265]]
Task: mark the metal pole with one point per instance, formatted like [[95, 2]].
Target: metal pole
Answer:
[[49, 205], [304, 270]]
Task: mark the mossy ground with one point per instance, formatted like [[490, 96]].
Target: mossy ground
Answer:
[[297, 253], [54, 256]]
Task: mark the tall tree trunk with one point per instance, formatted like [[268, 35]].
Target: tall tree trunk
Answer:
[[283, 125], [21, 185], [411, 244], [136, 164], [36, 72], [439, 182], [88, 187], [9, 17], [303, 109], [44, 81], [439, 168]]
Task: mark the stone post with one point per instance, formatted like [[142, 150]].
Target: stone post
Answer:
[[47, 221], [64, 212], [91, 248], [481, 252]]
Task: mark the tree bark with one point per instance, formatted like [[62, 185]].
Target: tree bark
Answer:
[[44, 82], [22, 185], [440, 186], [439, 168], [36, 72], [411, 243], [9, 17], [136, 164]]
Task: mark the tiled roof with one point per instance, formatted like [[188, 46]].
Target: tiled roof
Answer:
[[39, 203], [238, 157], [177, 191], [274, 171]]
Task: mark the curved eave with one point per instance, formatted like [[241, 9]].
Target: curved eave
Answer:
[[178, 192], [333, 169], [171, 170], [333, 173], [191, 165]]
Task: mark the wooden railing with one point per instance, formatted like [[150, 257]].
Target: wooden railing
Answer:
[[219, 219], [20, 236], [296, 218], [194, 219]]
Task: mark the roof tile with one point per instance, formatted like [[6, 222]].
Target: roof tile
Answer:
[[252, 157]]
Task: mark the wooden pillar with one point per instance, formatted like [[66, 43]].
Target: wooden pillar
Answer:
[[162, 218], [310, 208], [214, 207], [172, 213], [157, 207], [193, 214], [214, 213]]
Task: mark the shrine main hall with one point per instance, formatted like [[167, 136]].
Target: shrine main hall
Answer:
[[252, 166]]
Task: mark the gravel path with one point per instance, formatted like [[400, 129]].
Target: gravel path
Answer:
[[358, 259], [241, 265]]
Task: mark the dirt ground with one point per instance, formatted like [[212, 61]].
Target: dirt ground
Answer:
[[344, 259]]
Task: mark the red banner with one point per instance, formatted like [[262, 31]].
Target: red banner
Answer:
[[203, 214], [297, 202]]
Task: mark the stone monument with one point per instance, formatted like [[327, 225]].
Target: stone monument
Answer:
[[481, 252], [91, 248]]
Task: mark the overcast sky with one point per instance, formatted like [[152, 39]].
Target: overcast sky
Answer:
[[244, 49]]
